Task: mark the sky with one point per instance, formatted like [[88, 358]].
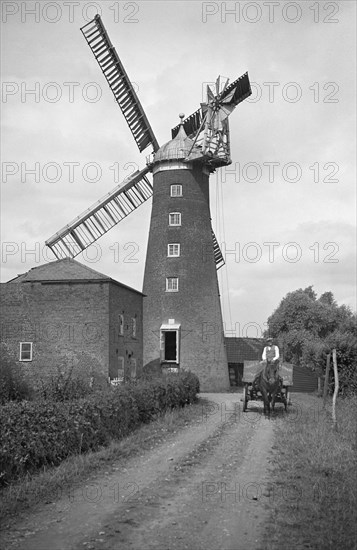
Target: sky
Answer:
[[284, 211]]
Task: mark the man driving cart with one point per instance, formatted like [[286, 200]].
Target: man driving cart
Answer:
[[270, 352], [267, 379], [270, 355]]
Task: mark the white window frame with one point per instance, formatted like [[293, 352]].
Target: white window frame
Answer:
[[121, 324], [172, 248], [176, 190], [170, 284], [133, 327], [22, 351], [172, 224]]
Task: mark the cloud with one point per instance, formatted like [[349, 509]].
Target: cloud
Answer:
[[170, 53]]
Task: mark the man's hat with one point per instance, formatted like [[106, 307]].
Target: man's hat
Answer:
[[269, 339]]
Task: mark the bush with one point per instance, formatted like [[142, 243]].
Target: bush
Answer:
[[315, 354], [13, 387], [65, 386], [43, 433]]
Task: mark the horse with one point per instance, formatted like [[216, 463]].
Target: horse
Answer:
[[269, 383]]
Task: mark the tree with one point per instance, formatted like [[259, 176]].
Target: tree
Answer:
[[327, 298], [300, 312], [308, 328], [310, 292]]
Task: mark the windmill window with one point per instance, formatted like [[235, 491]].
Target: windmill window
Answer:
[[173, 250], [172, 284], [175, 218], [25, 351], [176, 190]]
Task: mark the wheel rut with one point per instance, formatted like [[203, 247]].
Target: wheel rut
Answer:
[[206, 488]]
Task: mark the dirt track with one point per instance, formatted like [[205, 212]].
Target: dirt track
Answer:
[[204, 489]]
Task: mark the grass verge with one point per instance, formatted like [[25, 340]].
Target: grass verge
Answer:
[[49, 484], [313, 486]]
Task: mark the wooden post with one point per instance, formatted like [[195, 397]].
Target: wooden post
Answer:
[[327, 371], [335, 372]]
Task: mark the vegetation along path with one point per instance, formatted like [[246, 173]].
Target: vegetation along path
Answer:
[[208, 486]]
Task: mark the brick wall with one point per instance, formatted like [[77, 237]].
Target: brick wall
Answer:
[[196, 307], [69, 325], [129, 304]]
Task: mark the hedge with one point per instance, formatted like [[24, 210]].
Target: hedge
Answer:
[[35, 434]]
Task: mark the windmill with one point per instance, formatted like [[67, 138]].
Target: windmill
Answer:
[[182, 317]]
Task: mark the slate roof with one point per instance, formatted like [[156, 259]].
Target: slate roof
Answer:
[[244, 349], [65, 271]]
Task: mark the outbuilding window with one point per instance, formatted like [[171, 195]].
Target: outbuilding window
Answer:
[[133, 367], [25, 351], [121, 324], [120, 376], [133, 327]]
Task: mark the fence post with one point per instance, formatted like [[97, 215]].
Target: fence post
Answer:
[[335, 372], [327, 371]]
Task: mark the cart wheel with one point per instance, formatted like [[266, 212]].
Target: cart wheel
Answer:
[[287, 395], [245, 397]]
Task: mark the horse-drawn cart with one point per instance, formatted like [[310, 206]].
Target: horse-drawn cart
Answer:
[[252, 393]]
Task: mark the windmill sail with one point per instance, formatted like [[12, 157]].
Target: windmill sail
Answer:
[[99, 42], [102, 216], [230, 97], [191, 124], [236, 92], [218, 256], [208, 126]]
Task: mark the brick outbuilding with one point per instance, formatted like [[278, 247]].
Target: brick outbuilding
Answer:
[[240, 350], [251, 349], [64, 315]]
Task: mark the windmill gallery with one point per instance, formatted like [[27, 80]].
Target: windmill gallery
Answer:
[[179, 307]]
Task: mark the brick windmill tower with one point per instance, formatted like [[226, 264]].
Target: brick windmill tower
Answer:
[[183, 326]]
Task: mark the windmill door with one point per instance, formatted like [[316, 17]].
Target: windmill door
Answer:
[[170, 344]]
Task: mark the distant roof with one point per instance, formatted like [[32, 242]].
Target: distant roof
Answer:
[[243, 349], [64, 271]]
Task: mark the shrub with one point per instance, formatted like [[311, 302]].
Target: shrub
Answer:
[[13, 386], [65, 386], [43, 433]]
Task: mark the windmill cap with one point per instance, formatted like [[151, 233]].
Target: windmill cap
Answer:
[[177, 148]]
